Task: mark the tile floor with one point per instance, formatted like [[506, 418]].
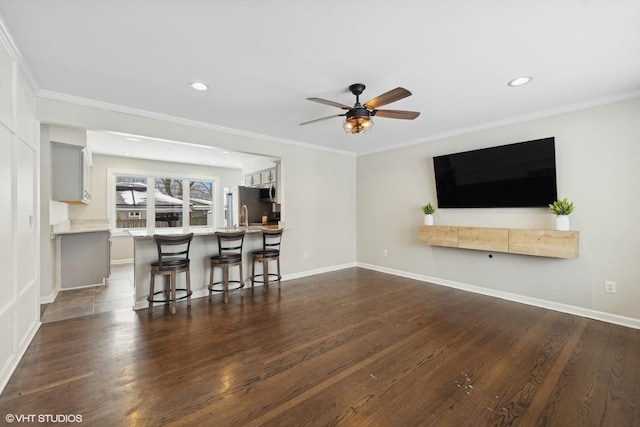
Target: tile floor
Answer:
[[115, 294]]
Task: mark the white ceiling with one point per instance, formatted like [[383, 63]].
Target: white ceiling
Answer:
[[261, 59]]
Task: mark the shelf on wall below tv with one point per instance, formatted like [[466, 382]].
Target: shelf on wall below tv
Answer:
[[545, 243]]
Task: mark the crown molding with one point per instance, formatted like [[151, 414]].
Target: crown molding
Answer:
[[16, 55], [626, 96], [56, 96]]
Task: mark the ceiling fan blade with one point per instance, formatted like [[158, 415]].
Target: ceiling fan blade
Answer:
[[327, 102], [396, 114], [319, 120], [387, 98]]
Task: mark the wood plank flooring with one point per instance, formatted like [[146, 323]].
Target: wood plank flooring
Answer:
[[354, 348]]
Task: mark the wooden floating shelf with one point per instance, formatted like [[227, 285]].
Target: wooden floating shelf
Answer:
[[545, 243]]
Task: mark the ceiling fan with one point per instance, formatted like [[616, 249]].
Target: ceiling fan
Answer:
[[358, 117]]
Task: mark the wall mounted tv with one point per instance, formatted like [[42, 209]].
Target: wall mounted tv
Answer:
[[507, 176]]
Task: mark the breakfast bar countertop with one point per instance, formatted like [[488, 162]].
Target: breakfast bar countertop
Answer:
[[208, 231]]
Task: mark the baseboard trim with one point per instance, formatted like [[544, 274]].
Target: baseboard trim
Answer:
[[48, 299], [318, 271], [629, 322], [122, 261]]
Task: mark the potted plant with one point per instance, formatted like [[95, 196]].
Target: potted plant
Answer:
[[428, 211], [562, 209]]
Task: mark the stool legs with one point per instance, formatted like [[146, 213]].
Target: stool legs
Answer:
[[189, 288], [253, 272], [225, 282], [265, 270], [151, 291], [225, 279], [172, 281], [170, 290], [211, 283]]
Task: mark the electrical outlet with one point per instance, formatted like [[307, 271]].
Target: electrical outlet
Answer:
[[609, 287], [305, 254], [384, 252]]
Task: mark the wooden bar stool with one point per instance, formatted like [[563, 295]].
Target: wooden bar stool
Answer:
[[173, 258], [270, 252], [229, 255]]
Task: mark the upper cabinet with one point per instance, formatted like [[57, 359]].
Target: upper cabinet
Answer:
[[70, 165], [70, 173], [268, 177], [265, 178], [252, 180]]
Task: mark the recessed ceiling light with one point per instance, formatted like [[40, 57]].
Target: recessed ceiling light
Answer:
[[225, 152], [198, 86], [133, 139], [126, 154], [520, 81]]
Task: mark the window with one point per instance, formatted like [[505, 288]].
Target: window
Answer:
[[130, 200], [169, 202], [201, 194]]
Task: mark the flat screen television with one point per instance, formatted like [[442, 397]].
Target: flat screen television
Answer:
[[507, 176]]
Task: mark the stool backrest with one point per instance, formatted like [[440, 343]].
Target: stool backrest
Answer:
[[230, 243], [271, 239], [173, 248]]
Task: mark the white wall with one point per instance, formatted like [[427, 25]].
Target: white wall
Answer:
[[318, 187], [597, 155]]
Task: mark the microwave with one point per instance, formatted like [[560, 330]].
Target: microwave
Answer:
[[268, 195]]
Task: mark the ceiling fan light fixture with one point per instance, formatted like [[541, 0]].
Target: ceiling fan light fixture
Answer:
[[358, 117], [357, 124]]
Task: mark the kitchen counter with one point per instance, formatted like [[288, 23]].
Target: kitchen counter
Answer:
[[203, 246], [79, 226], [143, 233]]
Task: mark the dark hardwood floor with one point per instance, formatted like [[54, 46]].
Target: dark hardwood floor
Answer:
[[354, 347]]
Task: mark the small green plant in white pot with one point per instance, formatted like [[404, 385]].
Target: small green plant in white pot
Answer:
[[561, 209], [428, 211]]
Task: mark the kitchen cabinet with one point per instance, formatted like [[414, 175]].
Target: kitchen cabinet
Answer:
[[265, 178], [268, 177], [70, 173], [252, 180], [85, 258]]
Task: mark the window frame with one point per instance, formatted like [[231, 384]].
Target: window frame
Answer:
[[112, 173]]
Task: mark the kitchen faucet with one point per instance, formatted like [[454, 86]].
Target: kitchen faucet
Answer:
[[245, 213]]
